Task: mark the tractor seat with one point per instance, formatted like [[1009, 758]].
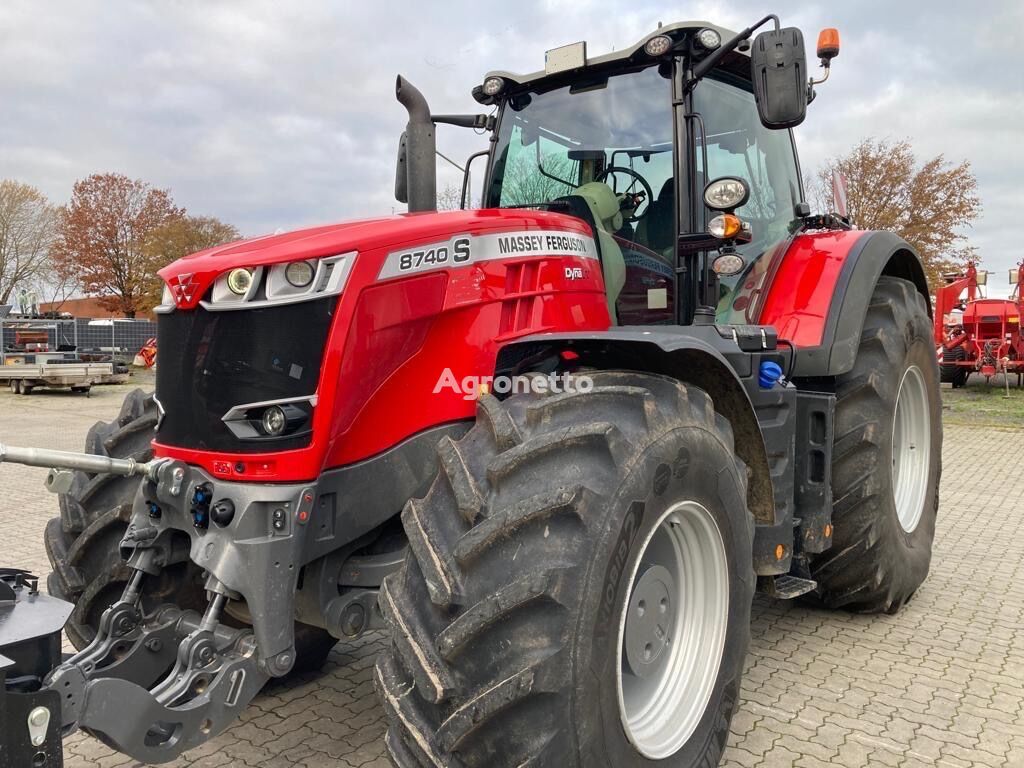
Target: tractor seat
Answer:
[[598, 206], [657, 229]]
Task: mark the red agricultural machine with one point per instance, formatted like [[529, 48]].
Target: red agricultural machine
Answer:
[[977, 334], [553, 446]]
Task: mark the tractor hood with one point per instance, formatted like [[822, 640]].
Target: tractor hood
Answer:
[[189, 278]]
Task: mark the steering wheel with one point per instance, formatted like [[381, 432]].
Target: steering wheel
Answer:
[[639, 202]]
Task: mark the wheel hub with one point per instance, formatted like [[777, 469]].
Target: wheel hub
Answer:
[[650, 619], [911, 449], [672, 630]]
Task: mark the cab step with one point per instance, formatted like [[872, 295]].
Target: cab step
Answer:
[[785, 587]]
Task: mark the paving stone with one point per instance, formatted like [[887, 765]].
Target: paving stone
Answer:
[[939, 685]]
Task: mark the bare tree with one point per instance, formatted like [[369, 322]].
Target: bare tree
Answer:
[[523, 183], [928, 204], [54, 286], [449, 198], [27, 230]]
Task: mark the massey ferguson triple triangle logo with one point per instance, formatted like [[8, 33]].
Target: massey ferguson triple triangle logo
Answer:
[[183, 288]]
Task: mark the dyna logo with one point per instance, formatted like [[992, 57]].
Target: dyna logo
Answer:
[[574, 273]]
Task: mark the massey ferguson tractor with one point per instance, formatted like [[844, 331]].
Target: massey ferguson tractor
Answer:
[[553, 445]]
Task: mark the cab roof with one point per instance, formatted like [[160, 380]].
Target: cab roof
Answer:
[[615, 60]]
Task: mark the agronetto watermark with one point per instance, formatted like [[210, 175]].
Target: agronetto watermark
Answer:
[[471, 387]]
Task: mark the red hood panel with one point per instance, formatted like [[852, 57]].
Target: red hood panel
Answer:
[[198, 270]]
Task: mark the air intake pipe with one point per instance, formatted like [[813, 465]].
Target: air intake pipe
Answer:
[[416, 173]]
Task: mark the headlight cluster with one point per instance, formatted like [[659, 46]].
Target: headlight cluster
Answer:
[[286, 283]]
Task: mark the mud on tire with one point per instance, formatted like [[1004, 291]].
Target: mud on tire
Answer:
[[505, 616], [875, 565]]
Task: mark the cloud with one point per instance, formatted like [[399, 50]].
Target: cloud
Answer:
[[282, 115]]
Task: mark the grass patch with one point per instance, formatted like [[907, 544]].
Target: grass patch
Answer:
[[984, 404]]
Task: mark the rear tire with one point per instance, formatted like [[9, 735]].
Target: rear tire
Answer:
[[82, 544], [520, 601], [886, 460], [950, 372]]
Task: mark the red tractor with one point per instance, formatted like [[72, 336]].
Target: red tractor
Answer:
[[553, 445], [984, 335]]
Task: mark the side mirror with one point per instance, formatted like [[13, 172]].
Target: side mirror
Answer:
[[402, 172], [778, 68]]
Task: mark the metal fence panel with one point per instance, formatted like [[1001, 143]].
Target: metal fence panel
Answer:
[[120, 338]]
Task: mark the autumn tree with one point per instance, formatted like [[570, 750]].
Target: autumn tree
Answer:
[[928, 204], [188, 234], [28, 226], [104, 238]]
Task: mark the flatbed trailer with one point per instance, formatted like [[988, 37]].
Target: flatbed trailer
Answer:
[[22, 378]]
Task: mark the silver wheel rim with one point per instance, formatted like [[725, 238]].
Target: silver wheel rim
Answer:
[[911, 449], [672, 631]]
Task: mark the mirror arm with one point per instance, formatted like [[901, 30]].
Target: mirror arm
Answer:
[[483, 122], [705, 65], [465, 177]]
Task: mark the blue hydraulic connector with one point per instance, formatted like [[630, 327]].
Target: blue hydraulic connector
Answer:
[[769, 374]]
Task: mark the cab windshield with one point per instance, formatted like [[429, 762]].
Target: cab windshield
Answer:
[[616, 131]]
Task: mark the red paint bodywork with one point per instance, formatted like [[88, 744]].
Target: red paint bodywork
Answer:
[[391, 340], [792, 285], [988, 330]]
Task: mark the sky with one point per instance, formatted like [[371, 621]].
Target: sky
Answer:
[[278, 115]]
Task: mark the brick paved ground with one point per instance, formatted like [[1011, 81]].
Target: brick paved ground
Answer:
[[941, 684]]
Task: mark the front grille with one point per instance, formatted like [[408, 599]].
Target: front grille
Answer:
[[210, 362]]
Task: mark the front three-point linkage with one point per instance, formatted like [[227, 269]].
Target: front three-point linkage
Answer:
[[213, 677], [152, 684]]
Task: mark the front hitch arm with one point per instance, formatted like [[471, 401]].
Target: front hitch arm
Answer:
[[152, 685], [215, 675]]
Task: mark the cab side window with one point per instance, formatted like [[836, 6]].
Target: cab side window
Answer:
[[738, 145]]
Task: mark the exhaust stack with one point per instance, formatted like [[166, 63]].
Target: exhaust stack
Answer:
[[416, 172]]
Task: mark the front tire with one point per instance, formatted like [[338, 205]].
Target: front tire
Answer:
[[556, 529], [886, 460]]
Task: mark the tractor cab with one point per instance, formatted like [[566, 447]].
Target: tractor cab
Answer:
[[686, 172], [602, 145]]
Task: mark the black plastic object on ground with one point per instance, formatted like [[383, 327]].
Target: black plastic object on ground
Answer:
[[30, 718]]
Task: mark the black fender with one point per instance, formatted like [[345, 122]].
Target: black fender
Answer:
[[697, 355], [873, 255]]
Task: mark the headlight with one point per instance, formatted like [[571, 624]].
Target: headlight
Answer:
[[726, 194], [658, 45], [274, 420], [299, 273], [728, 264], [239, 281], [709, 39], [493, 86]]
